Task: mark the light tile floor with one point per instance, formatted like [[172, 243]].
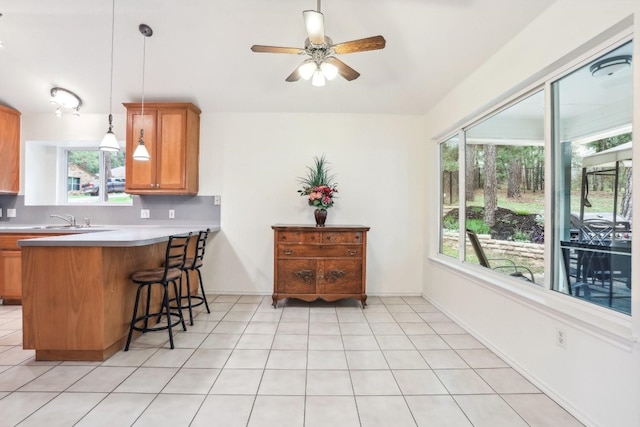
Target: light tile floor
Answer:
[[400, 362]]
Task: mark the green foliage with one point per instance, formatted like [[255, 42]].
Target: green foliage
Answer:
[[318, 174], [450, 223], [521, 236], [478, 226]]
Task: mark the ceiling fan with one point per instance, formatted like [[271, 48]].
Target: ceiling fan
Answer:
[[322, 63]]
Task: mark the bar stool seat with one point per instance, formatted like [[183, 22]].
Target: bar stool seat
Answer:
[[193, 264], [171, 272]]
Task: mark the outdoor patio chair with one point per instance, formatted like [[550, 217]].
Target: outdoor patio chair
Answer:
[[519, 271]]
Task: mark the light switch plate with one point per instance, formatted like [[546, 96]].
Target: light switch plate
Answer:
[[11, 213], [216, 200]]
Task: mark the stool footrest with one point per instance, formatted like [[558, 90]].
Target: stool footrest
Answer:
[[155, 328]]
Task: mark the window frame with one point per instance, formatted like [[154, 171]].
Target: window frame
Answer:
[[610, 324]]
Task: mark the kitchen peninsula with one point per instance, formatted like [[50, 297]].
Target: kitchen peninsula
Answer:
[[77, 294]]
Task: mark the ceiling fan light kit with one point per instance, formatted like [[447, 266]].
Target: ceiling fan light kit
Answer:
[[322, 63]]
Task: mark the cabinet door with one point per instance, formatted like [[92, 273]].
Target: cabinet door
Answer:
[[340, 276], [296, 276], [10, 274], [171, 149], [141, 175], [10, 147]]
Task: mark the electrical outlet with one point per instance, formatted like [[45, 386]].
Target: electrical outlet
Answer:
[[172, 214], [216, 200], [0, 212], [561, 338], [144, 213], [11, 213]]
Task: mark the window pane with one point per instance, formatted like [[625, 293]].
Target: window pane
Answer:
[[592, 202], [86, 167], [449, 173], [504, 191]]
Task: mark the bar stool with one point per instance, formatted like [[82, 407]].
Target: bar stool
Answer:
[[171, 272], [193, 264]]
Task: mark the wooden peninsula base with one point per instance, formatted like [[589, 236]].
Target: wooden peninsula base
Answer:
[[78, 301]]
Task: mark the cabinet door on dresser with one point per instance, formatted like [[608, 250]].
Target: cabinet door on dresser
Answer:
[[297, 276], [10, 147], [340, 276]]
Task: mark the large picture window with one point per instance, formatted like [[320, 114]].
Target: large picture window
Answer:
[[584, 249], [97, 176], [592, 112]]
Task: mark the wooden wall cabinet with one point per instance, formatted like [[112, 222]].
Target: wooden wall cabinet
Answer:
[[10, 148], [172, 137], [320, 262]]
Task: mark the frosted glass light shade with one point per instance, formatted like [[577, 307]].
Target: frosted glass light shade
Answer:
[[318, 78], [109, 142], [141, 153], [330, 71], [306, 70]]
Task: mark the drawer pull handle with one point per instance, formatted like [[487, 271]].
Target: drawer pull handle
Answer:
[[287, 251], [305, 275], [333, 275], [353, 252]]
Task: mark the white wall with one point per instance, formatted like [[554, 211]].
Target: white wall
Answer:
[[253, 161], [597, 377]]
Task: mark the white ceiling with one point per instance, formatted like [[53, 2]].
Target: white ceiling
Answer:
[[200, 52]]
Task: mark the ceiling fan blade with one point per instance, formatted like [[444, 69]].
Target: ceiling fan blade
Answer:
[[343, 69], [314, 22], [295, 76], [276, 49], [361, 45]]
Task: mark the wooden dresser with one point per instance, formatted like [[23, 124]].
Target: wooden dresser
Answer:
[[319, 262]]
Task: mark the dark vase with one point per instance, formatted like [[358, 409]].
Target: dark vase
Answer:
[[321, 216]]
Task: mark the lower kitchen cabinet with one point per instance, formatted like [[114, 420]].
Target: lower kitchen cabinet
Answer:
[[327, 262], [11, 266]]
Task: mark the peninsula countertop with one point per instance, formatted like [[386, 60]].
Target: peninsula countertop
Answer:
[[107, 236]]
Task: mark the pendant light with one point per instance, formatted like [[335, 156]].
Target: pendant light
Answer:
[[141, 152], [109, 142]]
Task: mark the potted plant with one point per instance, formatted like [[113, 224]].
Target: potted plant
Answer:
[[319, 186]]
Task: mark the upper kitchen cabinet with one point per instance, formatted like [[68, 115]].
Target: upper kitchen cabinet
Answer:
[[10, 148], [172, 137]]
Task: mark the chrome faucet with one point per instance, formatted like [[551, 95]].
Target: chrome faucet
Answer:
[[68, 218]]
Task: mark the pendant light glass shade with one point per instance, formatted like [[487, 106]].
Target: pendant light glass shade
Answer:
[[109, 142], [141, 152]]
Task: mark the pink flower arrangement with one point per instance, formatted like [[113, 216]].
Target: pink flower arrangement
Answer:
[[320, 196], [319, 185]]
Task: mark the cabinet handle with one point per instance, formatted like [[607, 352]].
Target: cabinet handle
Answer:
[[305, 275], [353, 252], [334, 275], [287, 251]]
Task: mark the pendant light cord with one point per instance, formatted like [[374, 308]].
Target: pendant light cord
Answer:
[[113, 24], [144, 55]]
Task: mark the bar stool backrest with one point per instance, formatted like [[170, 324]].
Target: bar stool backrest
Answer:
[[200, 248], [176, 253]]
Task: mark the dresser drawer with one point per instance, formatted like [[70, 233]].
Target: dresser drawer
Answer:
[[298, 237], [342, 237], [319, 251]]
